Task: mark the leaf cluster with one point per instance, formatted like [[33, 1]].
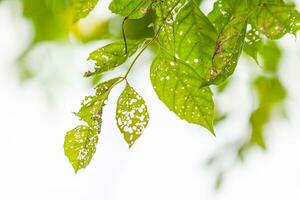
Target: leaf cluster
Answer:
[[193, 52]]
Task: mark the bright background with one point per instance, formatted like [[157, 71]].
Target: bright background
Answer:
[[167, 162]]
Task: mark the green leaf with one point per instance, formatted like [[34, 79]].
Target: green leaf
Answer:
[[253, 43], [274, 20], [133, 9], [81, 8], [132, 115], [228, 50], [224, 10], [91, 107], [187, 42], [112, 56], [80, 146], [271, 56], [179, 87], [189, 37], [270, 92], [49, 19]]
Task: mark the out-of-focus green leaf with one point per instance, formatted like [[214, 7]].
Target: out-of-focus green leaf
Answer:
[[270, 92], [132, 115], [112, 56], [271, 55], [80, 146], [50, 18]]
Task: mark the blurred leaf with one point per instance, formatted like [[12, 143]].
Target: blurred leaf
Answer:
[[49, 17], [271, 55]]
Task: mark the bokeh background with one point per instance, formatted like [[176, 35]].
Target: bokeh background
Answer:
[[40, 89]]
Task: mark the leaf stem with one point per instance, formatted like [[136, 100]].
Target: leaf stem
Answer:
[[124, 35]]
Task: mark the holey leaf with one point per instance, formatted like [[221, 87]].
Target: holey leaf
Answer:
[[80, 146], [179, 87], [132, 9], [132, 115], [228, 50], [91, 107], [274, 20], [81, 8], [112, 56], [224, 10], [187, 42]]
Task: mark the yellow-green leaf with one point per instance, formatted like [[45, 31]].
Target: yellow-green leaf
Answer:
[[112, 55], [80, 146], [132, 115]]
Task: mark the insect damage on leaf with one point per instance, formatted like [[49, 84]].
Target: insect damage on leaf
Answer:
[[91, 107], [80, 146], [193, 52], [112, 55], [274, 20], [132, 115], [229, 46]]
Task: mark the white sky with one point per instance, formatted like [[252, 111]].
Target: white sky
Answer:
[[166, 163]]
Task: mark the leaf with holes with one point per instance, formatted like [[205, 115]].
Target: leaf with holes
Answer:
[[224, 10], [187, 42], [132, 115], [228, 50], [274, 20], [80, 146], [133, 9], [189, 37], [179, 87], [112, 56], [253, 43], [91, 107], [81, 8]]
